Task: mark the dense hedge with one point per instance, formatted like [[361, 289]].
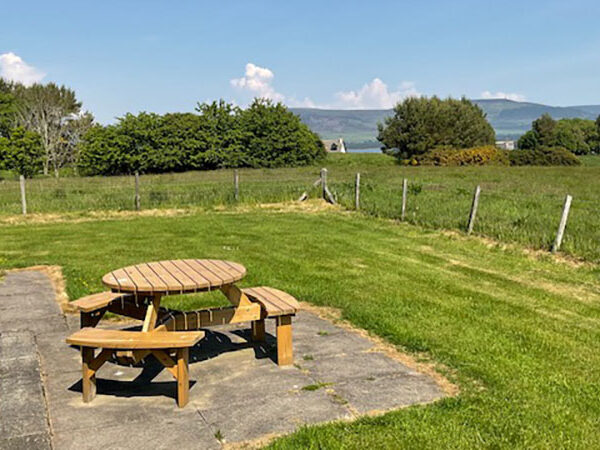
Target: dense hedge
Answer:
[[220, 135], [477, 156], [490, 155], [543, 156]]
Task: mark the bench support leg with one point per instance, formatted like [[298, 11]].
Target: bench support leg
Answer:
[[88, 374], [285, 353], [183, 379], [258, 330], [91, 319]]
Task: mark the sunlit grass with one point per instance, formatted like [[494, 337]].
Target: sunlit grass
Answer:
[[520, 335]]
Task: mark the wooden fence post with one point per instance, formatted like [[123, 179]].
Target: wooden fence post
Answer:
[[357, 192], [473, 212], [23, 196], [326, 193], [324, 183], [137, 191], [563, 224], [236, 185], [404, 194]]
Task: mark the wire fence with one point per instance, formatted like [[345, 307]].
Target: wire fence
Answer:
[[529, 218]]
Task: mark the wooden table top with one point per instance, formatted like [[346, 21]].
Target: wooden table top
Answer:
[[175, 276]]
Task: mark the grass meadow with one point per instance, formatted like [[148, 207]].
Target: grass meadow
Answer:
[[518, 333], [518, 204]]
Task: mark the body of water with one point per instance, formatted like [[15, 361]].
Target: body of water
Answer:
[[364, 150]]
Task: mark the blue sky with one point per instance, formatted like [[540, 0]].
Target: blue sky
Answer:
[[165, 56]]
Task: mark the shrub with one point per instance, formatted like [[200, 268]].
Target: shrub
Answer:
[[422, 124], [478, 156], [21, 152], [219, 136], [543, 156]]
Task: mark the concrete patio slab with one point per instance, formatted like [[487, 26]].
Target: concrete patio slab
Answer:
[[238, 393]]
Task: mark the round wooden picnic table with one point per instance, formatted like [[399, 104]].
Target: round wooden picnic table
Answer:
[[178, 276]]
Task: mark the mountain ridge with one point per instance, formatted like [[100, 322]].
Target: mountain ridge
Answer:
[[509, 118]]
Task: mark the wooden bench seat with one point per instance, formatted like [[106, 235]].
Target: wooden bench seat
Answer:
[[93, 307], [280, 306], [161, 344]]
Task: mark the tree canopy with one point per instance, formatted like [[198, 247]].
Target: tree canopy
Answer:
[[220, 135], [422, 124], [21, 151], [579, 136]]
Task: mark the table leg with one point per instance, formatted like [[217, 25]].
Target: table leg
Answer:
[[88, 375], [152, 313], [258, 330], [285, 352], [183, 379]]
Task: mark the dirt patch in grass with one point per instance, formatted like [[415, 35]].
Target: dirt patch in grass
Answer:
[[92, 216]]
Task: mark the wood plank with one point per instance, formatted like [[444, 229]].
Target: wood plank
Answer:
[[156, 281], [141, 284], [186, 282], [274, 301], [235, 295], [96, 301], [285, 351], [170, 283], [152, 313], [235, 267], [132, 340], [201, 282], [183, 380], [104, 355], [88, 377], [210, 317], [121, 281], [166, 361], [214, 279], [227, 273], [258, 331]]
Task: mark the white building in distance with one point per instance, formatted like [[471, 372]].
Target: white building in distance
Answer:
[[505, 145], [334, 145]]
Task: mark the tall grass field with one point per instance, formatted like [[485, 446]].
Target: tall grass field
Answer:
[[518, 204]]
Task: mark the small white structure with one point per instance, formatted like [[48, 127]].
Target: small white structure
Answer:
[[334, 145], [505, 145]]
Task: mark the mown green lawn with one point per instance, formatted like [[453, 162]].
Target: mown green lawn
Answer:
[[518, 204], [521, 336]]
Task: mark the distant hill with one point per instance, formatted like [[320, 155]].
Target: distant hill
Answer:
[[510, 119]]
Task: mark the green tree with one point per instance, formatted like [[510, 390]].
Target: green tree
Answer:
[[528, 141], [46, 109], [220, 135], [543, 128], [422, 124], [571, 134], [7, 107], [275, 137], [21, 152]]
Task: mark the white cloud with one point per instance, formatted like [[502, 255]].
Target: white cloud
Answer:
[[13, 68], [376, 95], [504, 95], [304, 103], [257, 80]]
